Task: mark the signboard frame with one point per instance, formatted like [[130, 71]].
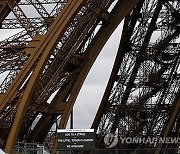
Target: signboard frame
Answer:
[[76, 139]]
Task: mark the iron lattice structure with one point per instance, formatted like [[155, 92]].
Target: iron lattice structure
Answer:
[[44, 63], [142, 98]]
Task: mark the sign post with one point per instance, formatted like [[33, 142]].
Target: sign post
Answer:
[[76, 139]]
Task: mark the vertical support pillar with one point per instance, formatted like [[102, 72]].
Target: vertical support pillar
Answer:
[[71, 120]]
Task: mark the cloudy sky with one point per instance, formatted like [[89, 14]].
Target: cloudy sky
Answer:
[[92, 91]]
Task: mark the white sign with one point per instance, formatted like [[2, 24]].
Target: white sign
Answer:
[[76, 139]]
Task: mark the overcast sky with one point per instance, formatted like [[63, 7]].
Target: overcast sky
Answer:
[[92, 91]]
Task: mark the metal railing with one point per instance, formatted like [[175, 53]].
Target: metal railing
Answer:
[[30, 148]]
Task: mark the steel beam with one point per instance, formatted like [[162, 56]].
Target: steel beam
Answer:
[[138, 76], [170, 123], [45, 47], [5, 10], [112, 77], [1, 97], [121, 9], [58, 104]]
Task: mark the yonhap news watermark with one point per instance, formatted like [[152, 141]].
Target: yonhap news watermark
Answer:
[[111, 140]]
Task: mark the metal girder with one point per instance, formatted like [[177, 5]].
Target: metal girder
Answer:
[[14, 23], [46, 119], [140, 95], [60, 69], [72, 89], [27, 2], [22, 18], [39, 7], [45, 46], [112, 78], [121, 9], [4, 9], [1, 97], [58, 61], [168, 127]]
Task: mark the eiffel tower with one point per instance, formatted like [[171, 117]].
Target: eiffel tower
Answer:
[[53, 46]]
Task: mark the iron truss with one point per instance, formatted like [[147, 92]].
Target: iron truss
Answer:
[[45, 62], [142, 98]]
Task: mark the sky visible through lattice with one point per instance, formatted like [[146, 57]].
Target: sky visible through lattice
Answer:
[[92, 91]]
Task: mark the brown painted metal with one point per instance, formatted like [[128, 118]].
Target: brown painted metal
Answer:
[[25, 94], [5, 10], [121, 9], [45, 46], [50, 56], [111, 80]]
